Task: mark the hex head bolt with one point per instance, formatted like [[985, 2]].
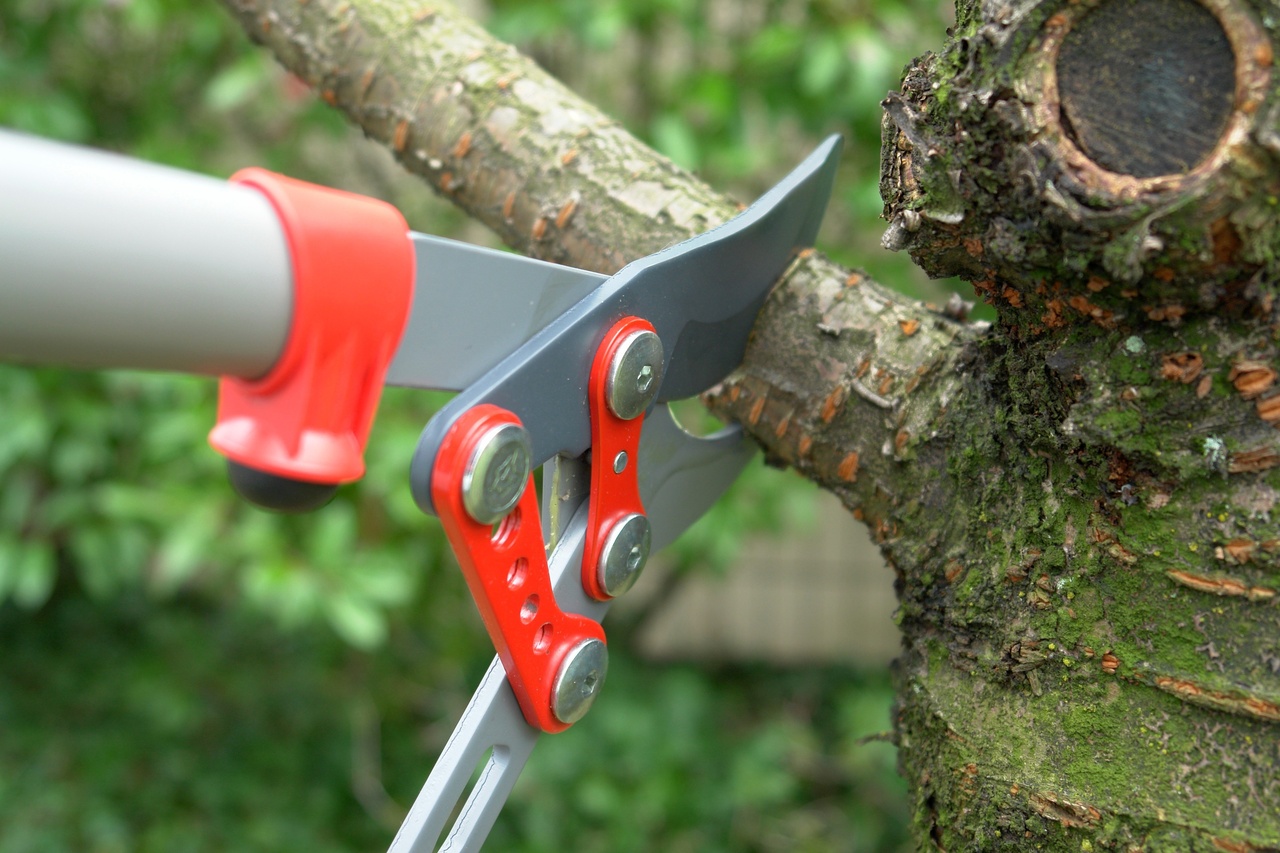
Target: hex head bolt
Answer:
[[635, 374], [579, 680], [497, 473], [625, 553]]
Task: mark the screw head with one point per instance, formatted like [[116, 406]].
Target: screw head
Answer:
[[625, 553], [579, 680], [497, 473], [620, 462], [635, 374]]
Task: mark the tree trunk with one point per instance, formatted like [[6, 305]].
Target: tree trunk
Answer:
[[1078, 500]]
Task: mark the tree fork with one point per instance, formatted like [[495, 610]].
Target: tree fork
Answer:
[[1078, 501]]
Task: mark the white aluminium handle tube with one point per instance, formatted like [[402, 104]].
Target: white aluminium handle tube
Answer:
[[108, 262]]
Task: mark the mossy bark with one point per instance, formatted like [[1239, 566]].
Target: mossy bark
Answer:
[[1100, 665], [1078, 501]]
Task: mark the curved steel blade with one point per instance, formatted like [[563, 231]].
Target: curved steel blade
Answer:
[[474, 306], [682, 475], [701, 296]]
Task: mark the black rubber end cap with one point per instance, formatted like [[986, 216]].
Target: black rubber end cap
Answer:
[[278, 494]]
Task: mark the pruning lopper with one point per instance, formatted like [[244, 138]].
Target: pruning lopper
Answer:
[[307, 301]]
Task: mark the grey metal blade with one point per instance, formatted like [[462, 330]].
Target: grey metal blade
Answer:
[[702, 297], [474, 306], [682, 475]]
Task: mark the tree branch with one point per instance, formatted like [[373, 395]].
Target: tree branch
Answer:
[[558, 179], [1080, 505], [553, 176]]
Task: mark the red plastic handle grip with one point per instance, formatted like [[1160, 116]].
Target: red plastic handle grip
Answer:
[[309, 418]]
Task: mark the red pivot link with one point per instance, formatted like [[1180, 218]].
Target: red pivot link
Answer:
[[625, 377], [307, 421], [483, 490]]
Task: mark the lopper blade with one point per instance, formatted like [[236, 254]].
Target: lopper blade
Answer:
[[701, 297], [473, 306]]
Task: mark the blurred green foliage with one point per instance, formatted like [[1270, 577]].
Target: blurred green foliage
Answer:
[[182, 670], [140, 727]]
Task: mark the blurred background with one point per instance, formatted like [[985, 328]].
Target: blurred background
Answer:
[[180, 671]]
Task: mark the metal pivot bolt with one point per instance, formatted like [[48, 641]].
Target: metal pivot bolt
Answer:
[[497, 473], [625, 553], [635, 374], [579, 680]]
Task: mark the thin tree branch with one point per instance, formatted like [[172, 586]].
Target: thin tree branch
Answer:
[[558, 179]]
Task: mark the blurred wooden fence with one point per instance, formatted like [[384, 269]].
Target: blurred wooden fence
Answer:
[[824, 596]]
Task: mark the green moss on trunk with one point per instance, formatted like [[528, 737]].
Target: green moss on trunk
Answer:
[[1095, 664]]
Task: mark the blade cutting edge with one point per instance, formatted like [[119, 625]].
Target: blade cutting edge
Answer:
[[473, 306]]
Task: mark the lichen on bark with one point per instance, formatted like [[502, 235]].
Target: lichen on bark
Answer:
[[1099, 667]]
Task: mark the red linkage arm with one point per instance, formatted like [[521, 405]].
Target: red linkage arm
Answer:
[[505, 564]]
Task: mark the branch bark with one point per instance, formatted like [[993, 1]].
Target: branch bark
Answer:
[[556, 178], [1079, 502]]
